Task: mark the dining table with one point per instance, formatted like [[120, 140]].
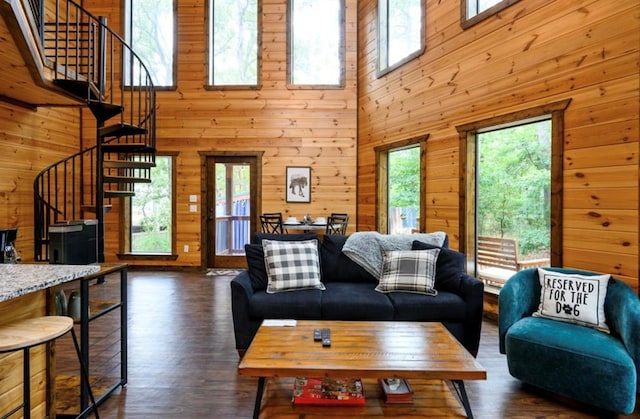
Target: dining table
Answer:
[[316, 227]]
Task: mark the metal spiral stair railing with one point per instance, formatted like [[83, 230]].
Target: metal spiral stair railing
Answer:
[[96, 65]]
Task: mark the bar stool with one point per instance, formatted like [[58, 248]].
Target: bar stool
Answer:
[[25, 334]]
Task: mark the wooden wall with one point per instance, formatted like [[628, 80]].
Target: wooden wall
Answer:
[[29, 141], [532, 53], [535, 52], [309, 127]]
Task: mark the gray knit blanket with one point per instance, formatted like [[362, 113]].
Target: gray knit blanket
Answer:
[[366, 248]]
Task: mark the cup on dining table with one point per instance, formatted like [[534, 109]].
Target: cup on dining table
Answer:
[[321, 220], [292, 220]]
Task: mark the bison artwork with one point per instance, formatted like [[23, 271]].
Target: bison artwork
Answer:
[[299, 182]]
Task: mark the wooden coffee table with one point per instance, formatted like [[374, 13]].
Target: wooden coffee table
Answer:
[[368, 350]]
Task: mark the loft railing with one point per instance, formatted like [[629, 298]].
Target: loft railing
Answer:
[[36, 7], [93, 62]]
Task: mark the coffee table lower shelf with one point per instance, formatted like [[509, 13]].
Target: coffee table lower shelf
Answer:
[[431, 399]]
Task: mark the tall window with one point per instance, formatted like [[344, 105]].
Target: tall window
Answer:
[[151, 211], [233, 37], [149, 31], [316, 43], [474, 11], [400, 32], [403, 189], [511, 193], [400, 195]]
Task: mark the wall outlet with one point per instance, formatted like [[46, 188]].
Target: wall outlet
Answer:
[[186, 248]]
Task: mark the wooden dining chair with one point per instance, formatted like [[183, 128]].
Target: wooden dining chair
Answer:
[[337, 223], [271, 222]]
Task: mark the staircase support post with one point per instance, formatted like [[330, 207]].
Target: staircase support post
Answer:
[[99, 153]]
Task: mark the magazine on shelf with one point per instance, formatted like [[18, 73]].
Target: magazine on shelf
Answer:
[[396, 390], [328, 391]]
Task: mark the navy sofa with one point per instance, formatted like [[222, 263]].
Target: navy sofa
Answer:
[[574, 361], [350, 295]]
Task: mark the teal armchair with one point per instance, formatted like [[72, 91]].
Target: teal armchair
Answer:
[[574, 361]]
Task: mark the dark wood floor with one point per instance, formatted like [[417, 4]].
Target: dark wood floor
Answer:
[[182, 359]]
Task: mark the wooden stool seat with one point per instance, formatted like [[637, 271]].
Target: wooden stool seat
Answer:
[[25, 334], [32, 332]]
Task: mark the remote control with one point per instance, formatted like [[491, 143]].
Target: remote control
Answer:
[[317, 335], [326, 337]]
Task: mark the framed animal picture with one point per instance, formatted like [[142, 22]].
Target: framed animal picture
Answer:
[[298, 184]]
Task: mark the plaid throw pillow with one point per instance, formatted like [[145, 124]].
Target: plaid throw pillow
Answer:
[[292, 265], [409, 271]]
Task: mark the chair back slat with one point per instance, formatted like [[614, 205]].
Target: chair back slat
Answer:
[[337, 223], [271, 222]]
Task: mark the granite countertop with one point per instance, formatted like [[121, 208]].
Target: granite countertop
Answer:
[[20, 279]]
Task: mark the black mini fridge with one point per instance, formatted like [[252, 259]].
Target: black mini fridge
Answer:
[[74, 242]]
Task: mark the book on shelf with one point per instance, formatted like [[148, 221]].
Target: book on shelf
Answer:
[[396, 390], [328, 391]]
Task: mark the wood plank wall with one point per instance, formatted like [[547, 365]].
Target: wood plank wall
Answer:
[[29, 141], [532, 53], [293, 127]]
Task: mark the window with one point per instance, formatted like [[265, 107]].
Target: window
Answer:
[[149, 31], [474, 11], [400, 32], [151, 211], [400, 195], [233, 37], [316, 43], [403, 187], [511, 193]]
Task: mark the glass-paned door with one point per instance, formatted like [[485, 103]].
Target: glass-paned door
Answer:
[[230, 210]]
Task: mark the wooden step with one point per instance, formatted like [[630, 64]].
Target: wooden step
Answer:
[[92, 208], [104, 110], [121, 129], [118, 194], [127, 148], [125, 179], [127, 164], [81, 88]]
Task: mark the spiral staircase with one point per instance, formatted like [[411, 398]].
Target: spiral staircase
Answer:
[[95, 65]]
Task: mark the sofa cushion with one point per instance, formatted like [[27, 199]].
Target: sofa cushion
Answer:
[[258, 237], [449, 267], [573, 298], [354, 301], [292, 265], [409, 271], [255, 265], [367, 248], [572, 360], [446, 306], [255, 255], [336, 266], [302, 305]]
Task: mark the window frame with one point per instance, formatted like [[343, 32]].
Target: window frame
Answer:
[[382, 37], [467, 22], [382, 177], [127, 28], [126, 221], [341, 54], [467, 189], [209, 51]]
